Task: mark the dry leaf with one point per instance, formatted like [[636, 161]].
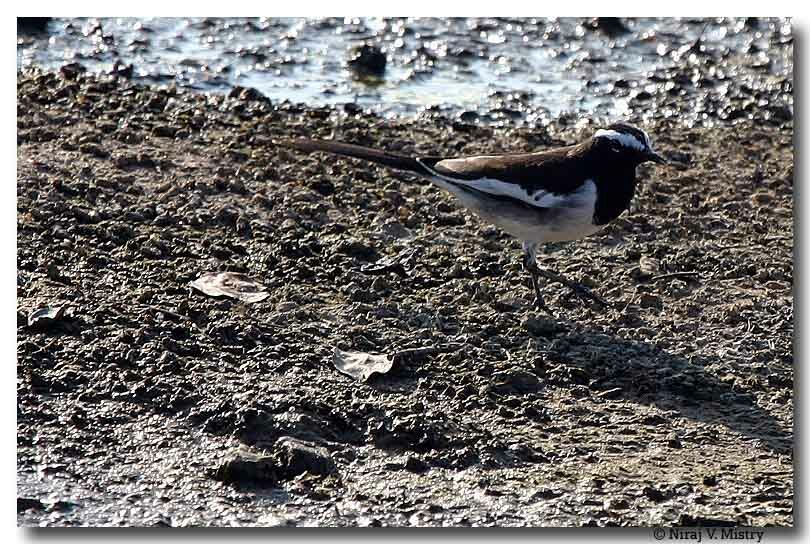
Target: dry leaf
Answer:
[[360, 365], [48, 315], [230, 284]]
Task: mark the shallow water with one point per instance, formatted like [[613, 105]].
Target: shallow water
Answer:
[[491, 70]]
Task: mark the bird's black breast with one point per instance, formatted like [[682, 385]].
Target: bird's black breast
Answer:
[[614, 193]]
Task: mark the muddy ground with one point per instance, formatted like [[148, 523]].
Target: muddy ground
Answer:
[[145, 402]]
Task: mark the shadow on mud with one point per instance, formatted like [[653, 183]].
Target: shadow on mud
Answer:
[[641, 372], [590, 363]]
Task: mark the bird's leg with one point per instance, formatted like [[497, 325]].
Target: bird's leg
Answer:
[[530, 263], [539, 303], [530, 266]]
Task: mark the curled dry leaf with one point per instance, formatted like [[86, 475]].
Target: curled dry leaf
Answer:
[[361, 365], [42, 317], [396, 263], [230, 284]]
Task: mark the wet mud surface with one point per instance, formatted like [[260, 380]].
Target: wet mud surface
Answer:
[[142, 401]]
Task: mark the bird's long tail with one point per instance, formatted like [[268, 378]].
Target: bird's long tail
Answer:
[[392, 160]]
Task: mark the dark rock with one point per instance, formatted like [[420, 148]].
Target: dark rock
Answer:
[[617, 504], [410, 433], [39, 135], [322, 186], [157, 103], [414, 464], [164, 131], [612, 26], [62, 506], [515, 381], [781, 113], [357, 249], [140, 160], [352, 109], [48, 316], [26, 503], [121, 70], [653, 420], [297, 457], [72, 70], [247, 94], [107, 128], [546, 494], [368, 60], [94, 150], [654, 494], [32, 25], [246, 467], [450, 220]]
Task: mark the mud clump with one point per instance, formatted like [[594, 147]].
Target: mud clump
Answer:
[[289, 459], [152, 403]]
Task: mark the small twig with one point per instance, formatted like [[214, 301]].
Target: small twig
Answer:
[[158, 309], [174, 315], [673, 275], [629, 302], [431, 350]]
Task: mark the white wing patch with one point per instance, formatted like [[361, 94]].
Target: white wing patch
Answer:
[[539, 198], [627, 140], [500, 188]]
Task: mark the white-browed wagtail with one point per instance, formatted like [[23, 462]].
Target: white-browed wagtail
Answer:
[[554, 195]]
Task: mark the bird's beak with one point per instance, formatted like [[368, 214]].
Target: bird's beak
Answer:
[[655, 157]]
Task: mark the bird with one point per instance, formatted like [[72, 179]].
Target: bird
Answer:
[[552, 195]]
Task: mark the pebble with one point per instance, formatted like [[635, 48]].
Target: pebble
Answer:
[[516, 381], [542, 326], [368, 59], [296, 457], [648, 300], [245, 467]]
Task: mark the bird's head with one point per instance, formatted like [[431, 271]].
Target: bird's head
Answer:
[[626, 142]]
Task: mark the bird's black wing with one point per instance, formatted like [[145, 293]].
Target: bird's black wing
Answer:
[[538, 179]]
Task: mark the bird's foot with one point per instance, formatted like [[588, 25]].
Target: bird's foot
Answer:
[[580, 290], [540, 304]]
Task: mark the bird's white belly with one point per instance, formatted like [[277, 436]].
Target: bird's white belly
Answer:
[[554, 218], [569, 224]]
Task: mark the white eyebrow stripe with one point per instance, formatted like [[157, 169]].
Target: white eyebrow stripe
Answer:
[[625, 139]]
